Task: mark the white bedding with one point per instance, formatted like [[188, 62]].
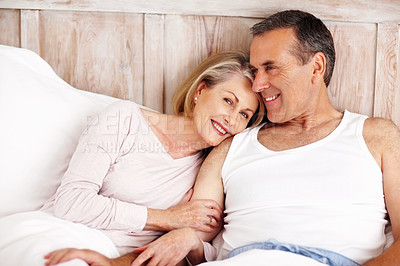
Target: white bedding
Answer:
[[42, 118], [27, 237], [257, 257]]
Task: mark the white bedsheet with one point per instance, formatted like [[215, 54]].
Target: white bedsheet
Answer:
[[26, 237], [258, 257]]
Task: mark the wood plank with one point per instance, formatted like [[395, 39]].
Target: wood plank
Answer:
[[154, 62], [190, 39], [98, 52], [335, 10], [352, 84], [10, 27], [387, 94], [30, 30]]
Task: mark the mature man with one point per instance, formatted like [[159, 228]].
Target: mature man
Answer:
[[314, 181]]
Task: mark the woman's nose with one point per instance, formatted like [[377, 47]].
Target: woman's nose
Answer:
[[231, 120]]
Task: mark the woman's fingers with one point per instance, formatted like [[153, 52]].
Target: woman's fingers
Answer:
[[213, 205], [89, 256], [58, 256], [202, 215]]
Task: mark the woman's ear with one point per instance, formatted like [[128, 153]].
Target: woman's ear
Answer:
[[319, 67], [202, 85]]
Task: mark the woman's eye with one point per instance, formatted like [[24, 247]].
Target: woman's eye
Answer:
[[228, 101], [244, 115]]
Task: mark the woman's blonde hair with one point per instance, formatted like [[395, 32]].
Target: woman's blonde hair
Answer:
[[215, 69]]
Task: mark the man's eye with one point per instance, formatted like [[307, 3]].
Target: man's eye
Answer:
[[227, 100], [269, 68], [254, 71]]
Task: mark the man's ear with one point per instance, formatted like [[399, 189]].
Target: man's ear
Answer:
[[319, 67]]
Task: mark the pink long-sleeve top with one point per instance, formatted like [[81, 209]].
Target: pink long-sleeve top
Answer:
[[119, 169]]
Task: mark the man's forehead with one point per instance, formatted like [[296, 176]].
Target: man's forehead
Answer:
[[278, 37], [271, 45]]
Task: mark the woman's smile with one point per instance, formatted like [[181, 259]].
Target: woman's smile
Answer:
[[221, 130]]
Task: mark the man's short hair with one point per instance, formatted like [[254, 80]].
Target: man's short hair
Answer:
[[312, 36]]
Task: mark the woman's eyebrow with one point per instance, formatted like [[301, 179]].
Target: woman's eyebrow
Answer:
[[234, 95], [237, 99]]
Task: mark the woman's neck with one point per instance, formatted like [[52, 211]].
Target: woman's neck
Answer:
[[177, 134]]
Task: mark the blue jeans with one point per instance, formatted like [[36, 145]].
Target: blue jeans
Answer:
[[318, 254]]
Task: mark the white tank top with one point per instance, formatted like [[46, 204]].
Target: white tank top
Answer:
[[328, 194]]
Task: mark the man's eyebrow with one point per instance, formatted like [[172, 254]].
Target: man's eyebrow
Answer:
[[266, 63], [269, 62]]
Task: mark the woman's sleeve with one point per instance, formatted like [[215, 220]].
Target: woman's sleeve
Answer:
[[210, 252], [78, 198]]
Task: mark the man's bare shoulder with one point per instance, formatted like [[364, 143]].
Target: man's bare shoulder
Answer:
[[380, 126], [223, 148], [381, 133]]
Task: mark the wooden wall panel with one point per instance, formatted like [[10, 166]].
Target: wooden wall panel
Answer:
[[141, 50], [99, 52], [387, 93], [154, 62], [190, 39], [9, 27], [30, 30], [337, 10], [352, 85]]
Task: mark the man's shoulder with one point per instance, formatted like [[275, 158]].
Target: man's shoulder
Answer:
[[376, 125], [381, 131], [223, 148]]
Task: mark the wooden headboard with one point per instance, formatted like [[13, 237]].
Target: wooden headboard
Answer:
[[141, 49]]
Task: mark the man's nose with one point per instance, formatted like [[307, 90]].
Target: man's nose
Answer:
[[261, 82]]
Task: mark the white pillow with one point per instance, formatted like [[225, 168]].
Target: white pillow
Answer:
[[41, 119]]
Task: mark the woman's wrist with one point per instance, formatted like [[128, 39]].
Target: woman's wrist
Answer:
[[157, 220]]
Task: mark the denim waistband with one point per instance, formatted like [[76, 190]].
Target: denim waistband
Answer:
[[318, 254]]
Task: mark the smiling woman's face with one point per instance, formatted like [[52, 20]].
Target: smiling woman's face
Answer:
[[225, 109]]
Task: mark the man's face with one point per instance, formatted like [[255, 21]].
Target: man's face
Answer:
[[283, 82]]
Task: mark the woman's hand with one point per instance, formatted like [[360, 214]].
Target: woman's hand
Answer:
[[91, 257], [200, 215], [169, 249]]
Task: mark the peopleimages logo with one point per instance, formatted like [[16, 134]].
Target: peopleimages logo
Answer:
[[112, 124], [114, 147], [130, 146]]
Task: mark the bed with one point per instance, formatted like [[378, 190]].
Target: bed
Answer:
[[63, 61]]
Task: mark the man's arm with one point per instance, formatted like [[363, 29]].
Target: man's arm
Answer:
[[383, 140], [209, 186], [177, 244]]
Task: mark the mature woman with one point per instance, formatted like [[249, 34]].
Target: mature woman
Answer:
[[133, 166]]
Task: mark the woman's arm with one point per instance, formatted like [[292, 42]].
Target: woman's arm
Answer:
[[78, 198], [100, 147]]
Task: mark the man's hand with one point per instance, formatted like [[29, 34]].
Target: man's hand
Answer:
[[169, 249]]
